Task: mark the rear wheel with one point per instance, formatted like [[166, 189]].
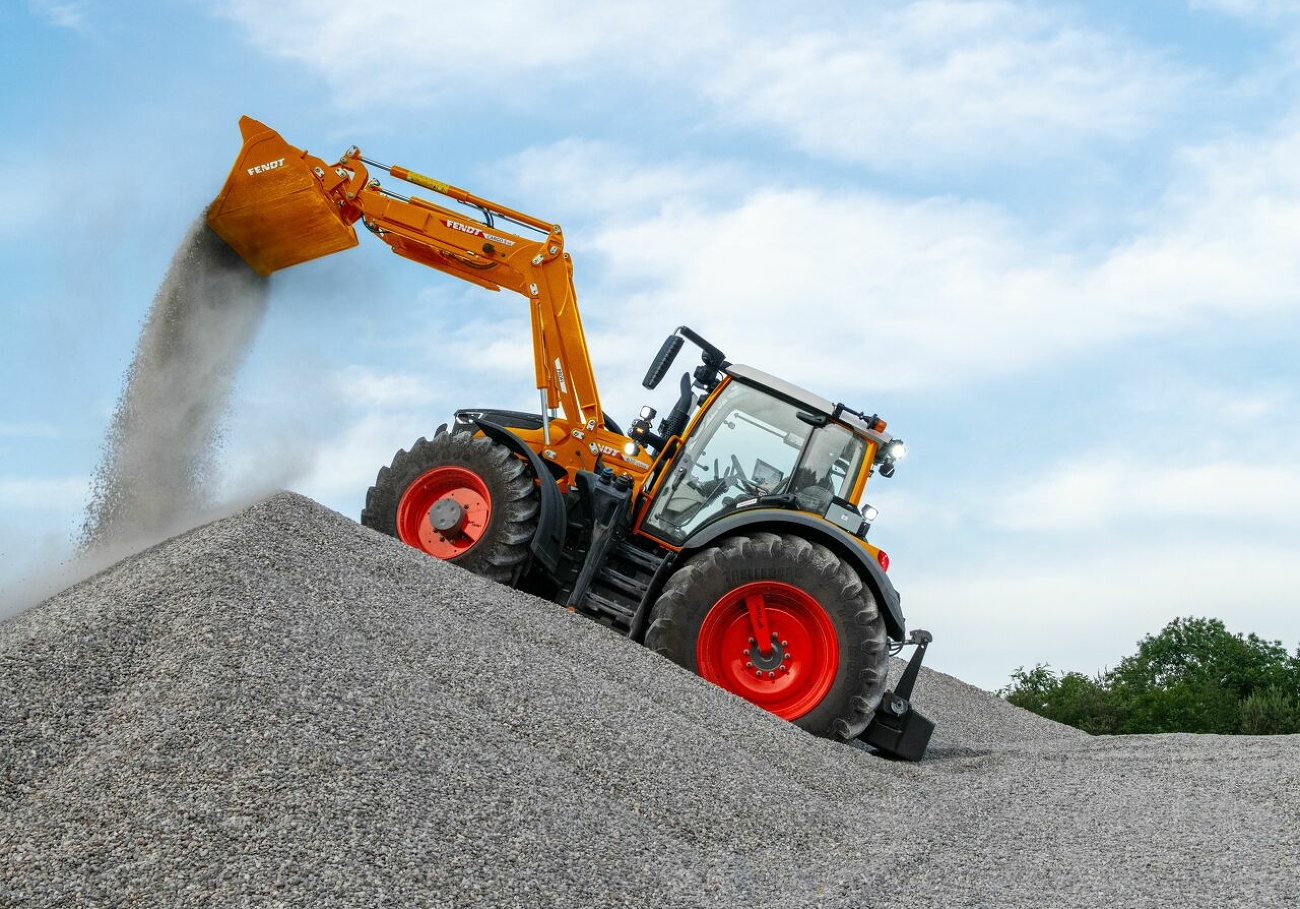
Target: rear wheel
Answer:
[[783, 623], [460, 498]]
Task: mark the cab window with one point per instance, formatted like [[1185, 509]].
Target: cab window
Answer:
[[828, 468], [746, 445]]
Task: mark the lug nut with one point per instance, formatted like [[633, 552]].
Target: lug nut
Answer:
[[785, 643], [749, 665], [758, 672], [746, 653], [752, 641], [771, 675]]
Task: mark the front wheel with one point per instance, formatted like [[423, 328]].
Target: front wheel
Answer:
[[458, 497], [782, 622]]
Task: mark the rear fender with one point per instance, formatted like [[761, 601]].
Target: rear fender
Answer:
[[815, 530], [552, 522]]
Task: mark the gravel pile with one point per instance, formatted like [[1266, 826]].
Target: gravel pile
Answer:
[[968, 718], [285, 709]]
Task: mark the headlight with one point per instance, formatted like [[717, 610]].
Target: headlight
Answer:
[[631, 449], [888, 455], [869, 513]]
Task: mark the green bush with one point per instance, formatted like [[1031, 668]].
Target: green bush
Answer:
[[1070, 698], [1270, 712], [1195, 676]]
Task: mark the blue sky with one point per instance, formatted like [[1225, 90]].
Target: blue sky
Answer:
[[1054, 244]]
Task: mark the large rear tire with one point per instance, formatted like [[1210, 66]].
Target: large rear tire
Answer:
[[461, 498], [826, 660]]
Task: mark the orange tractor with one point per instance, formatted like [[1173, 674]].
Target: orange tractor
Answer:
[[731, 538]]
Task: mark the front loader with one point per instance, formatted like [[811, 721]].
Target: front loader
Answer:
[[730, 538]]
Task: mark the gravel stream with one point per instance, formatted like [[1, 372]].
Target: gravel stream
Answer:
[[158, 463], [282, 708]]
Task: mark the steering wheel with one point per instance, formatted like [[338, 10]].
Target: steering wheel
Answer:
[[737, 476]]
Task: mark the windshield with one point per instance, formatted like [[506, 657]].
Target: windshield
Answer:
[[748, 444]]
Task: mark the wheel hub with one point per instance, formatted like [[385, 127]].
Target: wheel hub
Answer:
[[448, 517], [771, 643], [444, 512], [774, 659]]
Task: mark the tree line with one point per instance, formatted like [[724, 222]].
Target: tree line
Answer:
[[1194, 676]]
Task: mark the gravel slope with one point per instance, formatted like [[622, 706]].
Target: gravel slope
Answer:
[[285, 709]]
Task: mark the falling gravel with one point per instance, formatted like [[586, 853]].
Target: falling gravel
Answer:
[[282, 708], [157, 468]]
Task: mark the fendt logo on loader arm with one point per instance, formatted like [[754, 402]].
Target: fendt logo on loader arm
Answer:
[[456, 225], [269, 165]]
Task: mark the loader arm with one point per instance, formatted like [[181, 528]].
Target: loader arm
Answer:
[[281, 206]]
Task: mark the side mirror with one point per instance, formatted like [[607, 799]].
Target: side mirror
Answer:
[[663, 361]]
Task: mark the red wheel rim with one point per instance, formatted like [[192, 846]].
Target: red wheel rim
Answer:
[[798, 667], [465, 488]]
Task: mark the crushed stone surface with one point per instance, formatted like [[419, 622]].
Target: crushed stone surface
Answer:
[[282, 708], [969, 718]]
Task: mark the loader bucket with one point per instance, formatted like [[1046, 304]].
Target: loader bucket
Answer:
[[273, 210]]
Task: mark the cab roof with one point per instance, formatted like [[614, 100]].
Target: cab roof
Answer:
[[803, 397]]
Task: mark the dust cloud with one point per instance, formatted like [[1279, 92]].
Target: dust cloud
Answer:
[[158, 470]]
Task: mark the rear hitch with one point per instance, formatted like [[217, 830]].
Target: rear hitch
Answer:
[[898, 731]]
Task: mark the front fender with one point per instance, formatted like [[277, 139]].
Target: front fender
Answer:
[[841, 542], [552, 521]]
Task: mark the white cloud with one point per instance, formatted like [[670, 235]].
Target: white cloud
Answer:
[[1106, 492], [64, 15], [1254, 409], [1224, 240], [359, 386], [587, 178], [939, 291], [346, 464], [488, 48], [907, 86], [946, 83]]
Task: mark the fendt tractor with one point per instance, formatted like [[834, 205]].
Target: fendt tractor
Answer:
[[731, 538]]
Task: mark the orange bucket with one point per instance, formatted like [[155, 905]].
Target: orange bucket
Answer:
[[273, 210]]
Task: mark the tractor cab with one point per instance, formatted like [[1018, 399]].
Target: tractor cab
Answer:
[[761, 441]]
